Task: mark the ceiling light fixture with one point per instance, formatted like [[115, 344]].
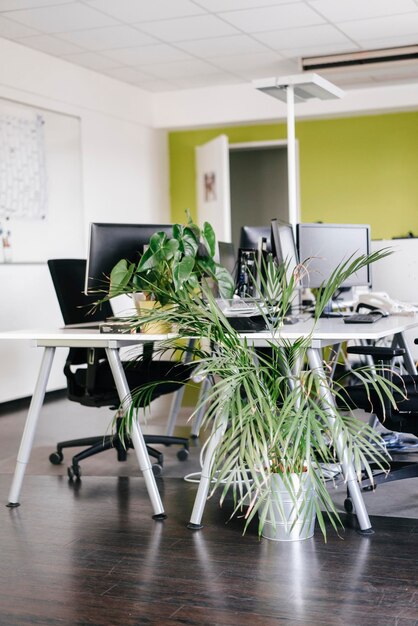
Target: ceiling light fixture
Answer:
[[294, 89]]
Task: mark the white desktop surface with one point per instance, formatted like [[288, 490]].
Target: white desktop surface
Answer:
[[325, 331]]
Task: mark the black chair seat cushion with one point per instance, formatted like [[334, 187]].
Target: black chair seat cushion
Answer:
[[170, 375], [402, 419]]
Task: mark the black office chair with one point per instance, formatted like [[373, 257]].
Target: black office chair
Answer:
[[89, 377], [402, 419]]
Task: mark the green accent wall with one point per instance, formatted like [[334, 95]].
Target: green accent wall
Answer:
[[357, 169]]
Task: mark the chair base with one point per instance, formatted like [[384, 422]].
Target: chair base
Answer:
[[107, 442]]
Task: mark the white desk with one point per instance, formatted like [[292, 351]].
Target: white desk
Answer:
[[81, 338], [327, 332]]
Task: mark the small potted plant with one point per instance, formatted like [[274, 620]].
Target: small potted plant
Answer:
[[169, 266]]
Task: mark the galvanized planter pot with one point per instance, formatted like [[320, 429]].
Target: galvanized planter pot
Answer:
[[291, 514]]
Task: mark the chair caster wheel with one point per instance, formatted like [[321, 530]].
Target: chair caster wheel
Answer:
[[56, 458], [74, 473], [348, 505], [157, 470], [183, 454]]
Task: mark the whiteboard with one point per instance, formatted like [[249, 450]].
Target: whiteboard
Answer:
[[41, 213]]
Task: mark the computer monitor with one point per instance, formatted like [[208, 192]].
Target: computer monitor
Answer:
[[252, 236], [284, 246], [327, 245], [227, 257], [108, 243]]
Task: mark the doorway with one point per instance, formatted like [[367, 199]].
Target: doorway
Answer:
[[258, 186], [250, 185]]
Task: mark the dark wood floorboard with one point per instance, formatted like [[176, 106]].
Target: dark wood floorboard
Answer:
[[93, 555], [89, 554]]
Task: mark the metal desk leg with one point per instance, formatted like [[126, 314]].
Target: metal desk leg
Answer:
[[315, 362], [204, 483], [204, 391], [30, 426], [178, 396], [174, 410], [399, 340], [136, 434]]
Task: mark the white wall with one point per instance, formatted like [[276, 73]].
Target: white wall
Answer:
[[242, 104], [124, 179]]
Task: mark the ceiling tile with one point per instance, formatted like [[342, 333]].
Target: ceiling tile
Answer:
[[270, 18], [163, 45], [212, 80], [91, 60], [50, 45], [233, 5], [341, 10], [187, 28], [158, 85], [318, 49], [222, 46], [63, 18], [307, 36], [388, 42], [15, 5], [127, 74], [12, 30], [249, 61], [255, 66], [381, 27], [109, 38], [194, 67], [161, 53], [146, 10], [282, 68]]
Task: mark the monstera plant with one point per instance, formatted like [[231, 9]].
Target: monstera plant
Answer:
[[172, 265]]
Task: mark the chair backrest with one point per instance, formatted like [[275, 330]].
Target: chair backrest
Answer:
[[68, 276]]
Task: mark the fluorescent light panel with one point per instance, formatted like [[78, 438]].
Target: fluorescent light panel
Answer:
[[306, 86]]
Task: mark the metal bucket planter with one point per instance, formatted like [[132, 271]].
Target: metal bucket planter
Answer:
[[291, 511]]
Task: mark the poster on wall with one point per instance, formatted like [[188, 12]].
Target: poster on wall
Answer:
[[41, 213], [213, 186]]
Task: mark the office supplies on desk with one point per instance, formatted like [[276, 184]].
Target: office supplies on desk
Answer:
[[248, 324], [383, 301], [363, 318], [238, 306]]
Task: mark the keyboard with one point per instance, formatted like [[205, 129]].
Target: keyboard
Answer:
[[363, 318]]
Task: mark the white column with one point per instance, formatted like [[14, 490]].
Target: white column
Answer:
[[291, 156]]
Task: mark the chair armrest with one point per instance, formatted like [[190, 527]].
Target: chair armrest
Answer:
[[380, 352]]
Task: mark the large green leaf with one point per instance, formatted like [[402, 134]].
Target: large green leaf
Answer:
[[182, 271], [189, 244], [226, 284], [209, 238], [120, 277], [160, 250]]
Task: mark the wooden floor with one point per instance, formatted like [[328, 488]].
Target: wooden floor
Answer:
[[89, 553]]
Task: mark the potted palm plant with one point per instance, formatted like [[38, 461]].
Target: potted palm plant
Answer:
[[277, 439]]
